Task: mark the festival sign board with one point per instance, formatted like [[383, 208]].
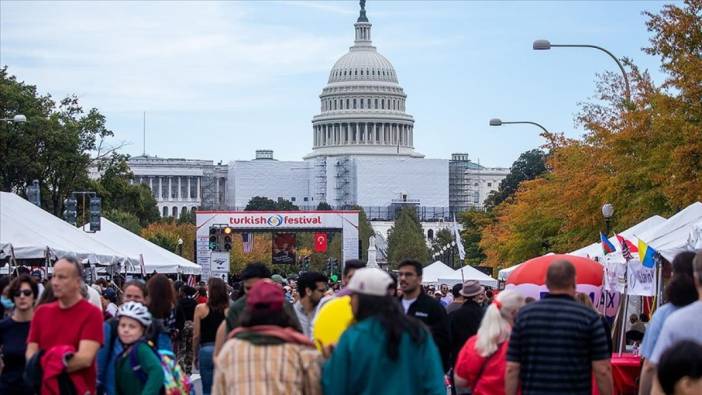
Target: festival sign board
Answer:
[[281, 222]]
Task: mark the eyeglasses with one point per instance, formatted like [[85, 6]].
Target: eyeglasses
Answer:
[[25, 292]]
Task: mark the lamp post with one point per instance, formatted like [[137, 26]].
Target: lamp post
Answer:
[[542, 45], [499, 122], [180, 246], [19, 118], [607, 213]]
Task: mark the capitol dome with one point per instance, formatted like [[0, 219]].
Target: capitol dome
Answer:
[[362, 109], [362, 64]]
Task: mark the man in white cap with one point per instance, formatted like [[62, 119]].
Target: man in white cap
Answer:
[[384, 352]]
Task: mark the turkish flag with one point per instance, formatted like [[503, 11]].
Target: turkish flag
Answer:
[[320, 242]]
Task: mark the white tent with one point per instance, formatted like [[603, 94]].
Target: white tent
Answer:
[[431, 273], [32, 232], [468, 273], [155, 257], [595, 249], [671, 237], [504, 273]]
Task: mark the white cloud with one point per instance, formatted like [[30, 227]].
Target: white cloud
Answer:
[[122, 56]]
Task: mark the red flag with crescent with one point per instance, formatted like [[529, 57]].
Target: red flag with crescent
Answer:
[[320, 242]]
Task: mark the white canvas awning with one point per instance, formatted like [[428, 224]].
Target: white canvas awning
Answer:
[[468, 273], [431, 273], [671, 237], [155, 257], [595, 249], [31, 231]]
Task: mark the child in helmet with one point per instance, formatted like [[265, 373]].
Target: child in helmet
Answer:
[[138, 368]]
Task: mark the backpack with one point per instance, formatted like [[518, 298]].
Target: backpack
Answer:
[[175, 381]]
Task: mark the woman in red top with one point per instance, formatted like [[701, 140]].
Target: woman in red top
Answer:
[[481, 363]]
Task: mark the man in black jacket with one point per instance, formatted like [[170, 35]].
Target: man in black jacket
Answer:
[[465, 321], [416, 303]]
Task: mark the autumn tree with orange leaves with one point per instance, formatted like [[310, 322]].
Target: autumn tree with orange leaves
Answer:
[[643, 156]]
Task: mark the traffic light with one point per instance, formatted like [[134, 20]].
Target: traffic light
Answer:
[[70, 211], [95, 213], [227, 238], [213, 238]]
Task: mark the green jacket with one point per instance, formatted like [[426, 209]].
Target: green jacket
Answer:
[[127, 381], [360, 365], [236, 308]]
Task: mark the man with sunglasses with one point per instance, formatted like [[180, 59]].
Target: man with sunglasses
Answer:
[[311, 287]]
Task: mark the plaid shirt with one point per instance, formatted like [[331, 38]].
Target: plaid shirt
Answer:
[[286, 369]]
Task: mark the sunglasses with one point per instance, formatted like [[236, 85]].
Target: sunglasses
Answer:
[[25, 292]]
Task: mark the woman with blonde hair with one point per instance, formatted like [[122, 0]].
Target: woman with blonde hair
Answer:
[[481, 362]]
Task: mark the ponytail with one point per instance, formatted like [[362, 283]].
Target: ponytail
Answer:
[[496, 325]]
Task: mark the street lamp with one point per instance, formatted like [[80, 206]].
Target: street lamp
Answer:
[[607, 213], [19, 118], [499, 122], [542, 45], [180, 246]]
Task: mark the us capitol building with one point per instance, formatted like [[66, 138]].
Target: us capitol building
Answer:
[[362, 154]]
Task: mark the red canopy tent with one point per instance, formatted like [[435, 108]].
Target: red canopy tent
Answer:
[[534, 270]]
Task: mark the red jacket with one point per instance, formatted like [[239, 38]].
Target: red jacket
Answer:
[[484, 375], [52, 365]]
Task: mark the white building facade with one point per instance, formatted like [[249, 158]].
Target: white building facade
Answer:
[[362, 154]]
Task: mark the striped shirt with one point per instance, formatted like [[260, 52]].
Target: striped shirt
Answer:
[[244, 368], [555, 341]]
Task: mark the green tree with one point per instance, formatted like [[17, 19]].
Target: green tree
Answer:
[[186, 217], [365, 231], [57, 144], [474, 222], [124, 219], [406, 239], [285, 205], [118, 193], [324, 206], [260, 203], [528, 166]]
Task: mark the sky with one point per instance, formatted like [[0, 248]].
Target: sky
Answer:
[[219, 80]]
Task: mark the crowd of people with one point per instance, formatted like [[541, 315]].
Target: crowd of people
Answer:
[[372, 333]]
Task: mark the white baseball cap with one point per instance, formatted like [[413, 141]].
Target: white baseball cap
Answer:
[[370, 281]]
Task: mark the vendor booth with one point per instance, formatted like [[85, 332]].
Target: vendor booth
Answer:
[[29, 233], [468, 273]]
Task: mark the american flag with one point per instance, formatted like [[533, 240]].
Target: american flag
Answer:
[[191, 281], [248, 239], [626, 252]]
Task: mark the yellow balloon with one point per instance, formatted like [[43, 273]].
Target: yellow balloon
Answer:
[[332, 320]]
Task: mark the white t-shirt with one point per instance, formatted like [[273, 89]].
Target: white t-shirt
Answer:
[[406, 303]]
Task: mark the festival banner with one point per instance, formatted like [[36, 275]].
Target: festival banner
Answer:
[[284, 248], [641, 279], [614, 273]]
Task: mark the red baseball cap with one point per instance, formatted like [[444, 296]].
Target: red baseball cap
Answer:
[[265, 295]]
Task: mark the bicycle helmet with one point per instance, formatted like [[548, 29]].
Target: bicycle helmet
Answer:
[[136, 311]]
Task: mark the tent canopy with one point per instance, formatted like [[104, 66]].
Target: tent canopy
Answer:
[[155, 257], [671, 237], [468, 273], [503, 274], [431, 273], [595, 249], [31, 231]]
